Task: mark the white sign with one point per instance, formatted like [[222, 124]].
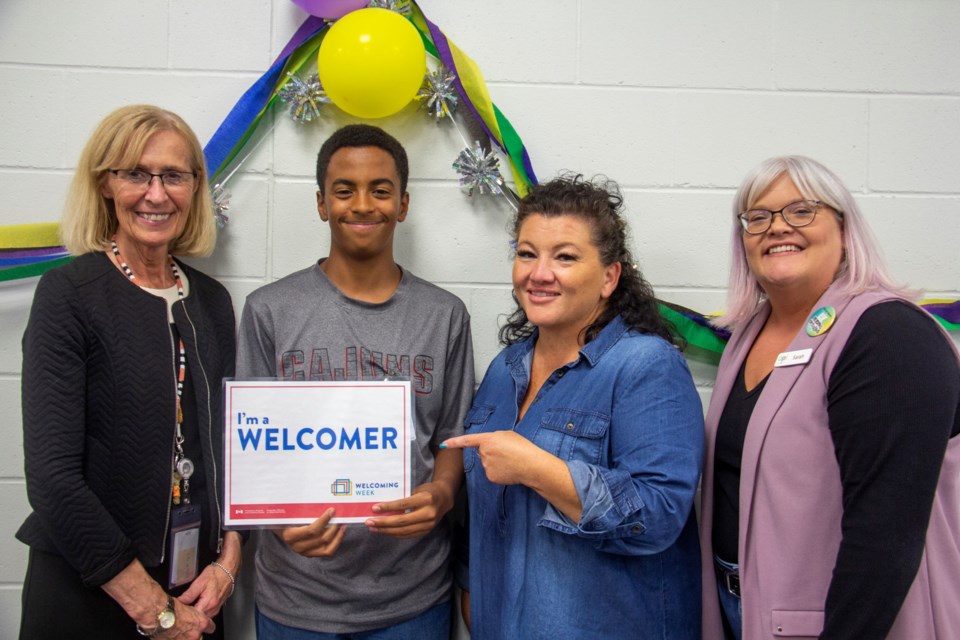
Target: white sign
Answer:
[[292, 450]]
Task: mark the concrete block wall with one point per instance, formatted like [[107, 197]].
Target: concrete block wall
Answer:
[[675, 100]]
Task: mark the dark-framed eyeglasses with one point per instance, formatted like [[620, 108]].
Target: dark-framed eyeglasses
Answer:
[[142, 179], [796, 214]]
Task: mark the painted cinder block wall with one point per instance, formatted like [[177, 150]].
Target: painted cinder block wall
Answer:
[[675, 100]]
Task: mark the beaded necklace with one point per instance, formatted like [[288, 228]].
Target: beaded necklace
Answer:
[[183, 467]]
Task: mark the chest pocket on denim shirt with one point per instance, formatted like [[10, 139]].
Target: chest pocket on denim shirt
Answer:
[[474, 423], [570, 434]]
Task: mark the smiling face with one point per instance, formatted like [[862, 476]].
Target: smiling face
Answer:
[[363, 202], [151, 218], [804, 260], [558, 277]]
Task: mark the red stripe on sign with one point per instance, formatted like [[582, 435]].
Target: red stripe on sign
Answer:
[[303, 510]]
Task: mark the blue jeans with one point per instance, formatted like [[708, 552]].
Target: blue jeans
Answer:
[[432, 624], [730, 605]]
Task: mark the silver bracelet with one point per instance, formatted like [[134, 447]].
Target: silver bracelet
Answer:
[[233, 581]]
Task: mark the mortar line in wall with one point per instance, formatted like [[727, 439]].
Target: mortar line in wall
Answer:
[[506, 286], [576, 84], [866, 143], [13, 168], [271, 195], [169, 31], [773, 43], [645, 188], [177, 71], [577, 60], [580, 85]]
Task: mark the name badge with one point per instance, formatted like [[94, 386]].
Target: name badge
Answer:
[[790, 358], [184, 543]]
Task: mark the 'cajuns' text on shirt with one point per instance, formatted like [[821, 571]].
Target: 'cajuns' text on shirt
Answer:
[[358, 363]]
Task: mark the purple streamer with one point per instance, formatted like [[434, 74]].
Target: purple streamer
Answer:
[[446, 56], [443, 50], [949, 311], [51, 252], [309, 27]]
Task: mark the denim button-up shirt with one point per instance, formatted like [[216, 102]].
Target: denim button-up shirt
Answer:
[[626, 418]]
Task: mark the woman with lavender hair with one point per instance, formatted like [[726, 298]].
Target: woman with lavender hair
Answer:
[[831, 486]]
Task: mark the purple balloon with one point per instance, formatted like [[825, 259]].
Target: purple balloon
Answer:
[[331, 9]]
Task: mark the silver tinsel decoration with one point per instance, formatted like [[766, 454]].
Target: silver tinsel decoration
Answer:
[[221, 204], [304, 97], [478, 170], [398, 6], [438, 94]]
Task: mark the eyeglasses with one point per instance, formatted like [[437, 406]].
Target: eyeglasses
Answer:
[[142, 179], [796, 214]]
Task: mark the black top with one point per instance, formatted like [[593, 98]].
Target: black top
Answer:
[[893, 402], [731, 431]]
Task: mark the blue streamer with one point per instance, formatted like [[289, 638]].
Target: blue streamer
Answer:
[[13, 262], [243, 114]]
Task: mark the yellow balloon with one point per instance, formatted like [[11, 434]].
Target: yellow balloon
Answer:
[[372, 62]]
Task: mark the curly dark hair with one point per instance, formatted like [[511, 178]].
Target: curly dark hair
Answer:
[[362, 135], [598, 203]]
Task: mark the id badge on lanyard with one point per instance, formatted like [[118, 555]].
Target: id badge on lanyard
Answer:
[[184, 543]]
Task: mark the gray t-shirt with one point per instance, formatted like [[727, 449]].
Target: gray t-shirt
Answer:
[[303, 328]]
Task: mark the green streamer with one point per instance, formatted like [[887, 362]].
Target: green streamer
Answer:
[[696, 335], [31, 270]]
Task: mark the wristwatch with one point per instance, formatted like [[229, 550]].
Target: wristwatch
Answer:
[[165, 621]]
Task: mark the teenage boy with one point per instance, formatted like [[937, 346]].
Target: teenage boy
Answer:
[[357, 315]]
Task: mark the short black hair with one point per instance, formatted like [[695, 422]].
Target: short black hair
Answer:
[[362, 135]]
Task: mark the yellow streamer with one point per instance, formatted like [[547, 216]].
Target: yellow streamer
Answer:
[[472, 80], [30, 236]]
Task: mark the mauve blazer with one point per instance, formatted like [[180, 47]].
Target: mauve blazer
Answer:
[[791, 499]]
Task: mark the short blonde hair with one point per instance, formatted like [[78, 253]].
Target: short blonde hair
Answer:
[[89, 219]]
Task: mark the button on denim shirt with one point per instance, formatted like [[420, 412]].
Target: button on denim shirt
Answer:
[[626, 418]]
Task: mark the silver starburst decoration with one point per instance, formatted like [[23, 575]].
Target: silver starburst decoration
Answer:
[[221, 204], [478, 170], [438, 94], [398, 6], [304, 97]]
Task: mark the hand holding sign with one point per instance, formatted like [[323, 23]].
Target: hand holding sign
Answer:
[[419, 513], [423, 510], [319, 539]]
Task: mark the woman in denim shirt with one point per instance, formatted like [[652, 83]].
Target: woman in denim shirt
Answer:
[[584, 443]]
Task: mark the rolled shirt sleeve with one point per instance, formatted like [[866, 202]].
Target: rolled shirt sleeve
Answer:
[[639, 502]]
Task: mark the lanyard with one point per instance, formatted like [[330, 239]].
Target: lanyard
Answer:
[[183, 467]]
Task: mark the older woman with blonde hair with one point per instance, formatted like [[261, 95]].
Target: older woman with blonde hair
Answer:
[[831, 488], [123, 358]]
